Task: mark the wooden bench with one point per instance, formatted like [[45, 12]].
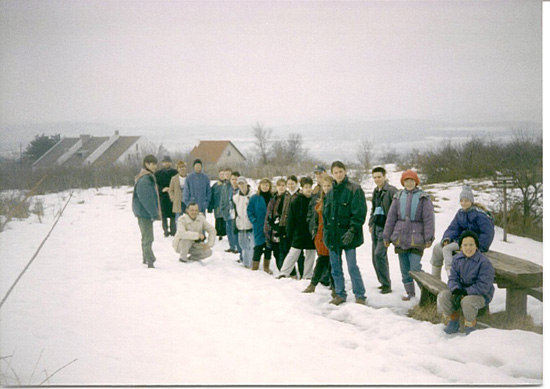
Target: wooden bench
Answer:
[[518, 276]]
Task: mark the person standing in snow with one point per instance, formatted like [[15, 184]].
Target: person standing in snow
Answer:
[[226, 208], [292, 190], [382, 198], [146, 206], [175, 190], [257, 211], [344, 213], [272, 229], [163, 177], [470, 285], [242, 222], [197, 187], [214, 205], [471, 216], [298, 232], [410, 226], [322, 265], [189, 241]]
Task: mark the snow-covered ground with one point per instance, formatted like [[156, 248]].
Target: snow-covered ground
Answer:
[[89, 306]]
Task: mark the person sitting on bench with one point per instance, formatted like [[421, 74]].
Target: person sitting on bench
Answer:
[[470, 285]]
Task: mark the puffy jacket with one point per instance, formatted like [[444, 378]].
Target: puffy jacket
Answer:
[[410, 223], [197, 189], [257, 210], [215, 198], [473, 219], [189, 229], [272, 228], [241, 210], [145, 199], [297, 228], [475, 275], [226, 197], [345, 210]]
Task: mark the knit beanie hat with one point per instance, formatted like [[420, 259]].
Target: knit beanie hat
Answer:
[[467, 234], [467, 193], [410, 174]]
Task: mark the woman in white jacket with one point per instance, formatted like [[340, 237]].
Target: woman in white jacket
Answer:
[[190, 241], [242, 222]]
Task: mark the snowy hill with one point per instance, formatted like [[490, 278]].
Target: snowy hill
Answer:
[[87, 304]]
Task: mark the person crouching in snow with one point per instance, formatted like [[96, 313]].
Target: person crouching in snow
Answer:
[[470, 285], [410, 226], [189, 241]]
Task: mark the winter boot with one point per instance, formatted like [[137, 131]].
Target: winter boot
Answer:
[[361, 301], [332, 292], [266, 266], [409, 288], [436, 272], [337, 300], [469, 327], [453, 325], [255, 265], [310, 289]]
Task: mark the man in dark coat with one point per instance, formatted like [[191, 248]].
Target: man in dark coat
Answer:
[[146, 206], [382, 198], [163, 177], [344, 213]]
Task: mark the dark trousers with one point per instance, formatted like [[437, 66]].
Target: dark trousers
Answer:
[[259, 250], [380, 256], [172, 229], [147, 238], [220, 226], [321, 267]]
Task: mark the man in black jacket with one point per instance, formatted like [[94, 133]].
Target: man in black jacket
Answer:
[[344, 214], [382, 198], [164, 176]]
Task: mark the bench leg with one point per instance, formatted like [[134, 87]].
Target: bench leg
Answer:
[[426, 297], [516, 303]]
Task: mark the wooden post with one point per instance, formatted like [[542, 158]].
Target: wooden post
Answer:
[[505, 216], [516, 303]]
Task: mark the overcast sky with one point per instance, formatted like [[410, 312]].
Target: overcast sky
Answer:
[[234, 63]]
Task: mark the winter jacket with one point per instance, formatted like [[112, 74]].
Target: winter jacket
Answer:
[[176, 194], [145, 199], [197, 189], [189, 229], [226, 200], [475, 275], [215, 198], [257, 211], [473, 219], [410, 223], [272, 229], [381, 203], [297, 228], [241, 201], [345, 210], [163, 177], [286, 206]]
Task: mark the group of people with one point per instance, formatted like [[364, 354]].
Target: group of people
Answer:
[[299, 220]]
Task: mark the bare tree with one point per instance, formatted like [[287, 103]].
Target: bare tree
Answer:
[[262, 142], [365, 154]]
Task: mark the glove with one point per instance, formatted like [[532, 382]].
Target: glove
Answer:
[[347, 238], [456, 298]]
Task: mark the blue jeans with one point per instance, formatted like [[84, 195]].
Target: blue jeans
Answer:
[[246, 241], [409, 262], [231, 236], [354, 273]]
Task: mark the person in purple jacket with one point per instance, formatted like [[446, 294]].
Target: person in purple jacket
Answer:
[[470, 285], [471, 216], [410, 226]]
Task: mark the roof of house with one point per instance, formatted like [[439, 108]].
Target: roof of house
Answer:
[[60, 148], [210, 151], [84, 152], [110, 155]]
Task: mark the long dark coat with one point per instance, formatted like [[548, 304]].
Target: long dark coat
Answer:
[[163, 177]]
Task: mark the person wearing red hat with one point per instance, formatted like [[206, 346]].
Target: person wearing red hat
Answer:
[[410, 226]]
